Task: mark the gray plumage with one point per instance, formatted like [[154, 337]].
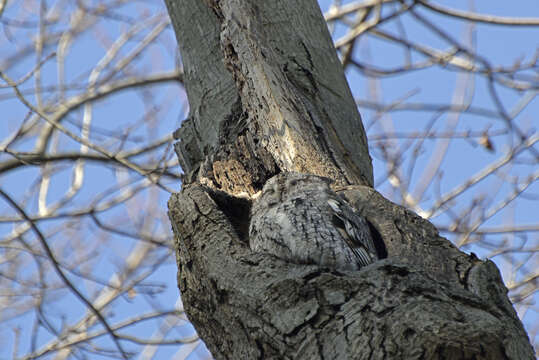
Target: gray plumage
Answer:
[[298, 218]]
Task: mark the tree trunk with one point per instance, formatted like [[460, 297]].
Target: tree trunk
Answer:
[[268, 95]]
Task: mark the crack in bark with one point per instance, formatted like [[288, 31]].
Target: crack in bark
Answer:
[[425, 299]]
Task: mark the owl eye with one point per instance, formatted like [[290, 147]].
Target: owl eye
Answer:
[[268, 192], [293, 183]]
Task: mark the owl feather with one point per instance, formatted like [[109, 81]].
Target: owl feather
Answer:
[[298, 218]]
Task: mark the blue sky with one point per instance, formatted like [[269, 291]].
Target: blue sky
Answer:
[[158, 110]]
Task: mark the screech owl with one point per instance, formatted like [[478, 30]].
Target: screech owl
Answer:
[[298, 218]]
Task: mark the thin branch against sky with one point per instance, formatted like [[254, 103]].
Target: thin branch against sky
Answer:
[[90, 94]]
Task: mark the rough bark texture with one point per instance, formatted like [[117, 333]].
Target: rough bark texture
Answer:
[[427, 300], [283, 105], [268, 95]]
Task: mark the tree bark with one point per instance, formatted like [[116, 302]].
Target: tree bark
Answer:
[[268, 95]]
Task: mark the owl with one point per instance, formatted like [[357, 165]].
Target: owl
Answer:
[[298, 218]]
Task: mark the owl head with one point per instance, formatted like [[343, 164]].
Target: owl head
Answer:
[[288, 185]]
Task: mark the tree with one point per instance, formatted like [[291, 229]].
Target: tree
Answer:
[[272, 98], [86, 93]]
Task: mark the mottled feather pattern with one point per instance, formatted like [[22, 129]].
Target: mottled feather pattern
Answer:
[[298, 218], [354, 230]]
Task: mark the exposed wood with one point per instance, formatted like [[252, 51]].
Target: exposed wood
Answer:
[[291, 108], [268, 95]]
